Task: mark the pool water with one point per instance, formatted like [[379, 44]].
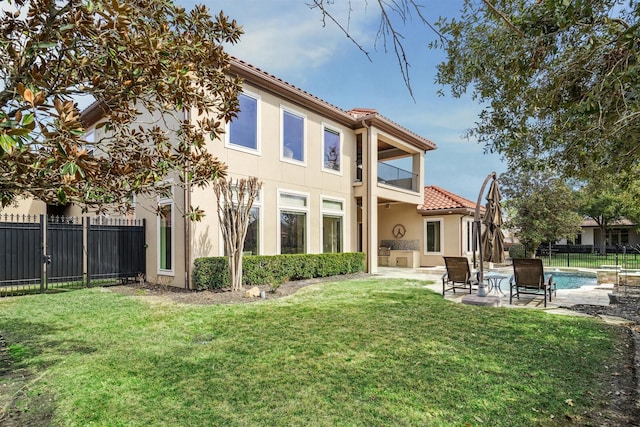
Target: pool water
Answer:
[[572, 280]]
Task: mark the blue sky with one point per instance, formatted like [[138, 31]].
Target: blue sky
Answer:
[[287, 38]]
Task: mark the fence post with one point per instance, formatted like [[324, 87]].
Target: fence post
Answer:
[[86, 252], [144, 246], [43, 252], [568, 257]]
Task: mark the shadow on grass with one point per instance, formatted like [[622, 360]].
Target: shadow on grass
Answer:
[[21, 404]]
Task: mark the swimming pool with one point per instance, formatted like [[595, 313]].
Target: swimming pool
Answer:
[[573, 279]]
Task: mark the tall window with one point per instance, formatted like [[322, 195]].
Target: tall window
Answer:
[[331, 148], [252, 238], [293, 146], [467, 243], [332, 225], [243, 129], [433, 236], [165, 235], [293, 223]]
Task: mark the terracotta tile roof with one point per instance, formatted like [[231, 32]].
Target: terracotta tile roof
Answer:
[[437, 199]]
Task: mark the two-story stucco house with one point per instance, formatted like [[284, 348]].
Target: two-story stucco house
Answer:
[[327, 184]]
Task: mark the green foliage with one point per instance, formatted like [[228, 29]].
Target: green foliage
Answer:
[[558, 80], [542, 207], [130, 57], [212, 273], [517, 251]]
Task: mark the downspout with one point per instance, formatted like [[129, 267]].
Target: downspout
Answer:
[[187, 219]]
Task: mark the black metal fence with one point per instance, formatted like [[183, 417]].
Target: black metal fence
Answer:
[[583, 256], [39, 253]]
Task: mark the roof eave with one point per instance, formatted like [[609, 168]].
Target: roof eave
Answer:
[[447, 211], [396, 130], [297, 96]]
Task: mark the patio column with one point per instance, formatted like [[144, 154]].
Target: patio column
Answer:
[[371, 205]]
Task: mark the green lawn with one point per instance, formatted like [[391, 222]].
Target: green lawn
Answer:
[[595, 261], [367, 352]]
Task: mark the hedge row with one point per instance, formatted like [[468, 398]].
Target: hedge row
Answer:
[[213, 273]]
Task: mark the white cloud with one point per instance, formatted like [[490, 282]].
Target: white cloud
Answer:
[[287, 37]]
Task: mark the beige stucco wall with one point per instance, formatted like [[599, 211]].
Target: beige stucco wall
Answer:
[[588, 236], [25, 206], [406, 214], [277, 174], [146, 208]]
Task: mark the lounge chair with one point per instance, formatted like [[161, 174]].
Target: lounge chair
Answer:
[[528, 278], [458, 275]]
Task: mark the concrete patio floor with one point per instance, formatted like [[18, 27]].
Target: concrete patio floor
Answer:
[[593, 295]]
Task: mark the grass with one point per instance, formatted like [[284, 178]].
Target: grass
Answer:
[[595, 261], [354, 353]]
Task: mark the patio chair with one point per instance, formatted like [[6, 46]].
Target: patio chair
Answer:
[[458, 275], [528, 278]]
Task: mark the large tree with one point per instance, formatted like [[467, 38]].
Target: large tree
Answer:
[[559, 80], [542, 208], [130, 56]]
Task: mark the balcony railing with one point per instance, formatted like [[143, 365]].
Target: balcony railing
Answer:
[[396, 177]]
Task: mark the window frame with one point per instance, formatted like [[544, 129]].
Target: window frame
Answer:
[[257, 204], [227, 139], [166, 201], [282, 207], [440, 231], [467, 235], [331, 129], [286, 110], [332, 213]]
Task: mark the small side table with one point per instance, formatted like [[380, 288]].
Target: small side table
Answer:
[[494, 280]]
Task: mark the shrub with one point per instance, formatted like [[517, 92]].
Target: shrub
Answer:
[[517, 251], [212, 272]]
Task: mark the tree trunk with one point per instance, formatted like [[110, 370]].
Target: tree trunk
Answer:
[[234, 206]]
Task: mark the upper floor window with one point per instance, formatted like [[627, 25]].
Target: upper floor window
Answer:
[[243, 129], [331, 150], [293, 143]]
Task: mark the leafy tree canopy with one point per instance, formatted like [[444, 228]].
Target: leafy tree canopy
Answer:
[[559, 80], [130, 56], [541, 207]]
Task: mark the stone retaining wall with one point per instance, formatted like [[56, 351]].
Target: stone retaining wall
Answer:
[[610, 276]]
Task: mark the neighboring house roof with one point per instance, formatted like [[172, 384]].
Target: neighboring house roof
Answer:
[[438, 201], [590, 222]]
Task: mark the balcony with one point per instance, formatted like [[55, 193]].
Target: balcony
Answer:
[[396, 177]]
